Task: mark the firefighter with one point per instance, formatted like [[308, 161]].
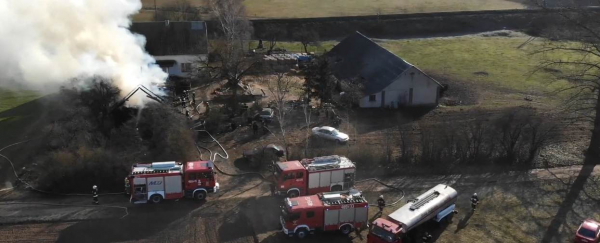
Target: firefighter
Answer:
[[264, 127], [380, 203], [126, 186], [95, 194], [474, 201], [254, 127]]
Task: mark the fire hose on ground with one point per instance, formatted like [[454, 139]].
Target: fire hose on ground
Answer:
[[213, 157]]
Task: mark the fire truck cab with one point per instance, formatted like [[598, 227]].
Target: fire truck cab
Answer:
[[171, 180], [328, 211], [311, 176], [436, 204]]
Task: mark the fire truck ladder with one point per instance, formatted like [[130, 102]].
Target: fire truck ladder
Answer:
[[424, 200], [345, 201]]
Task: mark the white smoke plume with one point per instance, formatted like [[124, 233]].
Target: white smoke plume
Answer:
[[46, 43]]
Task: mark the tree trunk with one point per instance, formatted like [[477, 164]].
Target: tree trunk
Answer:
[[594, 147], [305, 45]]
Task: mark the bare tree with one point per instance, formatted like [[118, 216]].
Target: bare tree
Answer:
[[230, 60], [306, 37], [280, 87], [307, 109], [579, 63], [272, 34]]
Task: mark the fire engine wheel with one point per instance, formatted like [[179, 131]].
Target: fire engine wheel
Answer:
[[156, 198], [201, 195], [346, 229], [301, 233], [292, 193]]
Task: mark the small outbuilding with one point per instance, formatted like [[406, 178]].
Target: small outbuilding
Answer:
[[389, 81]]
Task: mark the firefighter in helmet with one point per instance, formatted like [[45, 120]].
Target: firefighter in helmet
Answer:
[[380, 203], [127, 186], [474, 201], [95, 194]]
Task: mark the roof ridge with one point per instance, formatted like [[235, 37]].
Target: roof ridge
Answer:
[[388, 51]]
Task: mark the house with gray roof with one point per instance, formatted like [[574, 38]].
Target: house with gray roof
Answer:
[[389, 81], [175, 46]]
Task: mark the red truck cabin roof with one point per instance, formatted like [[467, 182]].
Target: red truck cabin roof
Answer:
[[290, 165], [198, 166], [302, 203]]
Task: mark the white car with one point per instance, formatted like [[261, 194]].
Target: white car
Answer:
[[331, 134]]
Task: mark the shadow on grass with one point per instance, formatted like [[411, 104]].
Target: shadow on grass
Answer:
[[143, 221], [464, 222], [567, 204]]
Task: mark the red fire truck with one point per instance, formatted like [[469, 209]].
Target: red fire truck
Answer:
[[436, 204], [171, 180], [311, 176], [327, 211]]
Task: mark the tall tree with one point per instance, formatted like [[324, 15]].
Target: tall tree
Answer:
[[272, 34], [319, 81], [306, 37], [230, 60], [578, 61], [279, 85]]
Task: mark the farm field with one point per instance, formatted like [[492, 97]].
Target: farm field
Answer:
[[494, 61], [316, 8], [543, 205]]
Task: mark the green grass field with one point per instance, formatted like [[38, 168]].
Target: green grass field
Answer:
[[329, 8], [10, 99], [490, 61]]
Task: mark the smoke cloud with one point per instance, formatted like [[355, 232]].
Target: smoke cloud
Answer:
[[47, 43]]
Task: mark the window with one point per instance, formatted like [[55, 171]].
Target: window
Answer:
[[299, 175], [186, 67], [587, 233], [294, 216], [289, 176], [310, 214], [372, 98], [192, 176]]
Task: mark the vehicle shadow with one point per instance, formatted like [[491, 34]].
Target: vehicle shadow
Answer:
[[250, 217], [569, 200], [464, 222], [142, 222], [318, 237]]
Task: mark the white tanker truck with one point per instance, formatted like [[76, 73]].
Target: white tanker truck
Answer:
[[436, 204]]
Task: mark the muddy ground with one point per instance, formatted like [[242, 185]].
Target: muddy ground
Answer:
[[536, 206]]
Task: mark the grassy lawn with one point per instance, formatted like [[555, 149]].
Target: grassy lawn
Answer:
[[493, 63], [10, 99], [318, 8]]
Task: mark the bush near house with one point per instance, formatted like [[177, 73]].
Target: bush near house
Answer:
[[79, 152]]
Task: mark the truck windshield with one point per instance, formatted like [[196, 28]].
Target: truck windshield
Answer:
[[587, 233], [383, 234], [288, 217], [278, 171]]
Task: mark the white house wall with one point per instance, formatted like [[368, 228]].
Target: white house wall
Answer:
[[175, 70], [425, 91]]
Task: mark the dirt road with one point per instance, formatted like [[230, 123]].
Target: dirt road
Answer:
[[541, 205]]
